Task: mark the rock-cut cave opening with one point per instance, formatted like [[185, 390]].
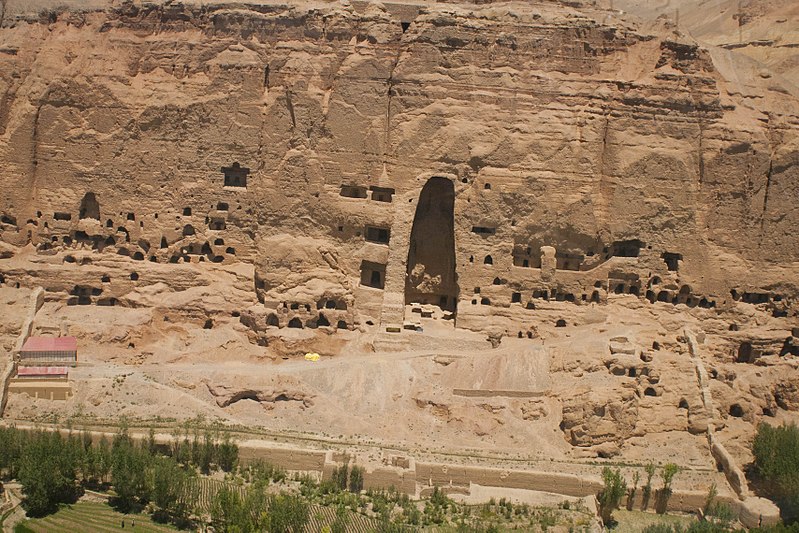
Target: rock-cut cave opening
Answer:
[[431, 274]]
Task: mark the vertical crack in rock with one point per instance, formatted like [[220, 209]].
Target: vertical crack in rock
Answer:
[[389, 92], [701, 149], [290, 107], [603, 181], [765, 197]]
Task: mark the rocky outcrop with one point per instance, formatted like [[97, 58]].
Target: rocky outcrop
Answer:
[[225, 394]]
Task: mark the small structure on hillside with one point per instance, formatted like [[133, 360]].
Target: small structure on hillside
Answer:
[[42, 367], [46, 351]]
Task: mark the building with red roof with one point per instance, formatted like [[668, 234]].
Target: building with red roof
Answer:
[[49, 351]]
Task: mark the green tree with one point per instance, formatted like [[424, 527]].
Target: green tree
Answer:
[[226, 511], [227, 454], [46, 473], [776, 452], [340, 476], [128, 474], [169, 484], [633, 490], [151, 444], [611, 494], [288, 513], [667, 474], [646, 493], [102, 459], [356, 479]]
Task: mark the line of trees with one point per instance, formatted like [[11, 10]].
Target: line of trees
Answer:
[[615, 487], [55, 469]]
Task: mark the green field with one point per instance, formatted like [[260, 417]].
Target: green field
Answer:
[[635, 521], [86, 516]]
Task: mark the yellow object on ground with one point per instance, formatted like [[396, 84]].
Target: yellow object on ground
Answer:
[[312, 356]]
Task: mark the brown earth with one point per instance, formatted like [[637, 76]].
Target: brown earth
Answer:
[[535, 232]]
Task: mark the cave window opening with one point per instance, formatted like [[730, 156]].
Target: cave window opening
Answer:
[[62, 216], [382, 194], [235, 175], [373, 274], [89, 207], [272, 320], [353, 191], [187, 211], [405, 26], [488, 260], [631, 248], [736, 410], [295, 323], [378, 235], [672, 261], [516, 298], [744, 352], [483, 230]]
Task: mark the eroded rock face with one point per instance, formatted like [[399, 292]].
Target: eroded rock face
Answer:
[[589, 420], [227, 394], [516, 165], [301, 140]]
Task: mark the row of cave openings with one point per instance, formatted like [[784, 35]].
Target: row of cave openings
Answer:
[[210, 250], [683, 296], [524, 256], [373, 193], [312, 323], [88, 295], [316, 320]]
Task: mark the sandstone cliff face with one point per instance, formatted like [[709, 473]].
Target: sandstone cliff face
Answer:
[[300, 139]]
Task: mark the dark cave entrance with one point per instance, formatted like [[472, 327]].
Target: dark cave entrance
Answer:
[[430, 277]]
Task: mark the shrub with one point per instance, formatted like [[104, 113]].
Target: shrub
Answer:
[[776, 451]]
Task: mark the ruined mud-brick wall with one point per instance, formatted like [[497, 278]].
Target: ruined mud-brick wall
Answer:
[[300, 138]]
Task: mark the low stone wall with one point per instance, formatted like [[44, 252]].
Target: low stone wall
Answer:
[[490, 393], [287, 458], [570, 485]]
